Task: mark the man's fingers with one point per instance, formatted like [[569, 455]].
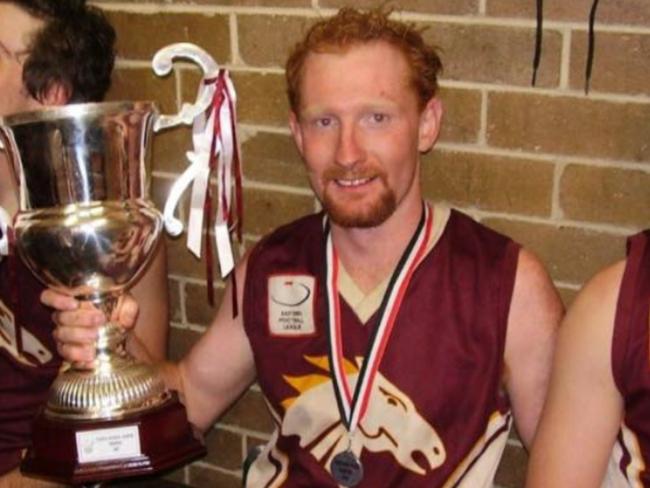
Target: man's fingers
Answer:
[[58, 301], [79, 354], [127, 311], [81, 317], [75, 336]]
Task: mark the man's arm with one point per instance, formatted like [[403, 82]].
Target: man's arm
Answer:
[[535, 313], [149, 338], [583, 411], [219, 367]]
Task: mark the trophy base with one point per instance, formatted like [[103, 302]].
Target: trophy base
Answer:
[[76, 452]]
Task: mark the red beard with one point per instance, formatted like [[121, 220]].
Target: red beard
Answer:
[[358, 214]]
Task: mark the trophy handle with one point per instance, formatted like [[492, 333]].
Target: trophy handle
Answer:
[[162, 65]]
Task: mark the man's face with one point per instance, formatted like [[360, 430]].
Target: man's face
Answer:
[[16, 30], [360, 131]]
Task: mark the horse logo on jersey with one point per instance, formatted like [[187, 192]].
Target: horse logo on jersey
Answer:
[[391, 424], [32, 353], [291, 305]]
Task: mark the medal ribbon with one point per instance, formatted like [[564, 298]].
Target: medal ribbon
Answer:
[[352, 407]]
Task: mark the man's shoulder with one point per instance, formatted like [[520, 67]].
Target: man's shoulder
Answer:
[[305, 231], [466, 233], [302, 227]]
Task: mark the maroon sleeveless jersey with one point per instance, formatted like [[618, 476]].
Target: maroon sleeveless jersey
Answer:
[[631, 368], [28, 359], [437, 415]]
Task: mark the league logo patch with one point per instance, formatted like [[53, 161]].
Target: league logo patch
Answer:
[[291, 305]]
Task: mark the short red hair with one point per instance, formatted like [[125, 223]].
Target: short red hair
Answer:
[[350, 27]]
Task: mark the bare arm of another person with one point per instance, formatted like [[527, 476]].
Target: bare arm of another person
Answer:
[[583, 411], [148, 310], [535, 313], [219, 367]]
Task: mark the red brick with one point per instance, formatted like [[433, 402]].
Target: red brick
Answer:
[[266, 209], [625, 12], [203, 477], [613, 195], [175, 314], [438, 7], [567, 295], [273, 158], [512, 469], [488, 182], [140, 36], [197, 307], [571, 254], [135, 84], [462, 115], [569, 125], [620, 62], [224, 449], [169, 148], [180, 261], [250, 412], [280, 35], [262, 99], [180, 342], [248, 3], [494, 54]]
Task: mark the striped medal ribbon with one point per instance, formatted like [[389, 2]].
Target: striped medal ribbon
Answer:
[[346, 467]]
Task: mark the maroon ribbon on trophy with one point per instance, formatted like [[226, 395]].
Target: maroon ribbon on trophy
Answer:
[[346, 467], [224, 160], [216, 154]]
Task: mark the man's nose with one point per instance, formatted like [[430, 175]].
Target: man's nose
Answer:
[[350, 149]]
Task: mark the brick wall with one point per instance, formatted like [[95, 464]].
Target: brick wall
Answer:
[[564, 173]]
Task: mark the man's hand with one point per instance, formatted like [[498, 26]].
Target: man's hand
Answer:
[[77, 324]]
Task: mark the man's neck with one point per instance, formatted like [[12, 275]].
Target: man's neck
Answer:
[[370, 255]]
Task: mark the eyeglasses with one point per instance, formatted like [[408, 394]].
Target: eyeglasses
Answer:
[[16, 56]]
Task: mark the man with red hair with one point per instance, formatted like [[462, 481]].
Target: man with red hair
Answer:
[[394, 339]]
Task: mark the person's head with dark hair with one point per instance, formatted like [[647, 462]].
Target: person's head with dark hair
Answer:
[[53, 52]]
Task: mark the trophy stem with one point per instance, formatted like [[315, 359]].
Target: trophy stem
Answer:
[[115, 386], [111, 339]]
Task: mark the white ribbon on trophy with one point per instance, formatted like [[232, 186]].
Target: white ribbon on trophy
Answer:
[[215, 149], [5, 223]]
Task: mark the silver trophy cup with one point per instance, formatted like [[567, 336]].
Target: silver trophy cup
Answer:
[[87, 228]]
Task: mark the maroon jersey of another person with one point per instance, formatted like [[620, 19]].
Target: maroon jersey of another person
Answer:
[[438, 414], [631, 367], [28, 358]]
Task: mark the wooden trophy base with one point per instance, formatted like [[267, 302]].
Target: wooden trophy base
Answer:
[[83, 451]]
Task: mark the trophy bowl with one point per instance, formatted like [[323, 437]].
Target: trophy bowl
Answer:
[[87, 228]]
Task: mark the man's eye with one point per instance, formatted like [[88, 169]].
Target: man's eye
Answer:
[[323, 122], [378, 118]]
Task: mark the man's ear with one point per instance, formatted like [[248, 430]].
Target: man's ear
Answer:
[[430, 120], [56, 94], [294, 125]]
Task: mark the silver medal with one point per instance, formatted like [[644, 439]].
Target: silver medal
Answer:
[[346, 469]]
